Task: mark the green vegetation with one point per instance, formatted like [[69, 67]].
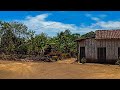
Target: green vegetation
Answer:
[[118, 61], [83, 60], [89, 35], [18, 42]]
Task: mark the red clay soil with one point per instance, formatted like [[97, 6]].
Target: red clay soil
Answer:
[[57, 70]]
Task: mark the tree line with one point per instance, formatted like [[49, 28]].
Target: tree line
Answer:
[[17, 41]]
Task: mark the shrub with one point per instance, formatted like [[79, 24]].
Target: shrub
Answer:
[[12, 57], [55, 58], [65, 55], [3, 56], [68, 55], [118, 61], [83, 60]]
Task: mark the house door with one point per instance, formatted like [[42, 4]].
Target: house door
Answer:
[[82, 52], [101, 53], [118, 52]]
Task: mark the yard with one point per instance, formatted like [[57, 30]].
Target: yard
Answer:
[[57, 70]]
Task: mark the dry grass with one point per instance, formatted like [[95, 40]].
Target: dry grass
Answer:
[[57, 70]]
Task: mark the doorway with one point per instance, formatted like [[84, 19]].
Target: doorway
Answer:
[[118, 52], [82, 53], [101, 54]]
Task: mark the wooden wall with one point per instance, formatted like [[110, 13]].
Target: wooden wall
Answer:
[[91, 46]]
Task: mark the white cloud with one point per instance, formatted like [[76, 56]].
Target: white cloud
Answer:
[[40, 24], [101, 16], [92, 18], [95, 18], [108, 24], [38, 17], [88, 15]]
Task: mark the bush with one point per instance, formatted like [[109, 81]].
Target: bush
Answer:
[[12, 57], [118, 61], [55, 58], [65, 55], [83, 60], [3, 56], [68, 55], [45, 59]]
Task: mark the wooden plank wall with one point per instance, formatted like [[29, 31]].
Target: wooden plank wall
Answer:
[[111, 47], [91, 46]]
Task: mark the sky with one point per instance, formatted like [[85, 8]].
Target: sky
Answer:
[[52, 22]]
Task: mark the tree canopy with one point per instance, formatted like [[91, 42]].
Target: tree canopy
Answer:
[[16, 38], [88, 35]]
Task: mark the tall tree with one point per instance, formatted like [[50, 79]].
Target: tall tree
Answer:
[[12, 36], [88, 35]]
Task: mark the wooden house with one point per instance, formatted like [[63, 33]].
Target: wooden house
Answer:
[[103, 48]]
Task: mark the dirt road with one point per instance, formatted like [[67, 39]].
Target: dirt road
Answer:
[[57, 70]]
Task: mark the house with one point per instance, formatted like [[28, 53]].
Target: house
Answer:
[[104, 47]]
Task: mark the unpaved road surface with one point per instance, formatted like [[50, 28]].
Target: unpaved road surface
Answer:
[[57, 70]]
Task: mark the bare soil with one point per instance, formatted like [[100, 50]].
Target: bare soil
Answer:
[[65, 69]]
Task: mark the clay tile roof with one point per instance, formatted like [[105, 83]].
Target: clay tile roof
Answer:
[[107, 34]]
